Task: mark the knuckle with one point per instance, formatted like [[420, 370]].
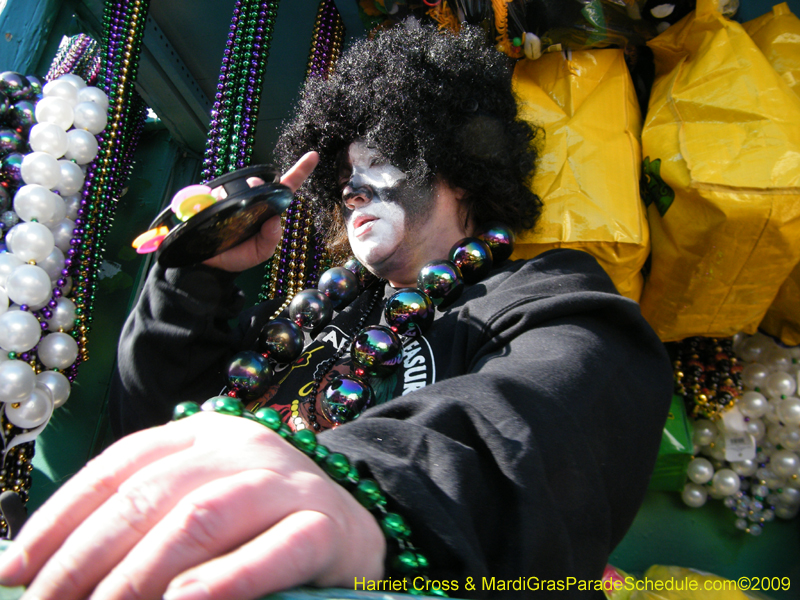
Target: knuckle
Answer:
[[201, 524], [62, 572], [136, 508], [120, 585]]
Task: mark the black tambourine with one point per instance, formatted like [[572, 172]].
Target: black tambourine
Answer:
[[225, 223]]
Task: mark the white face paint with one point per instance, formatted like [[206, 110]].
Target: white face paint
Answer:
[[376, 222], [394, 229]]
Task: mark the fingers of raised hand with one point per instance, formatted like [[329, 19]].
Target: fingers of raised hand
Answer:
[[294, 177]]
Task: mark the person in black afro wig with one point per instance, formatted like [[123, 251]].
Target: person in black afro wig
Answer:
[[433, 104]]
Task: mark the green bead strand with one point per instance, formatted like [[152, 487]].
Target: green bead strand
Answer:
[[408, 562], [225, 405], [184, 409], [337, 466]]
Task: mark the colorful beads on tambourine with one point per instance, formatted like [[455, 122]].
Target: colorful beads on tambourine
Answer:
[[149, 241], [191, 200], [185, 204]]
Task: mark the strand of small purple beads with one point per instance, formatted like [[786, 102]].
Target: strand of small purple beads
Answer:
[[231, 133], [79, 57], [406, 559], [290, 270], [124, 24]]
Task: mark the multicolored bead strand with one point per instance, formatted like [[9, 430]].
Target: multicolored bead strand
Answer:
[[290, 271], [405, 560], [232, 129], [724, 379], [79, 56], [124, 24]]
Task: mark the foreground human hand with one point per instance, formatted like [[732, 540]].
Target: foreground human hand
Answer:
[[213, 506], [260, 247]]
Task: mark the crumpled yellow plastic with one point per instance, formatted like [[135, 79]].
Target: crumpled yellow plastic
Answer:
[[588, 173], [777, 35], [662, 582], [723, 129]]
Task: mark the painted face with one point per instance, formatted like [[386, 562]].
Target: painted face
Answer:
[[375, 202], [393, 227]]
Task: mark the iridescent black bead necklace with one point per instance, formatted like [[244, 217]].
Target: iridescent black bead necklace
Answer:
[[375, 350]]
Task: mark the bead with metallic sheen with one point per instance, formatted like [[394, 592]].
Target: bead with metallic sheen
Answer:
[[310, 309], [395, 526], [225, 405], [305, 440], [409, 311], [340, 286], [345, 398], [442, 281], [249, 374], [500, 239], [364, 276], [184, 409], [269, 417], [369, 494], [473, 257], [377, 350], [336, 465], [281, 340]]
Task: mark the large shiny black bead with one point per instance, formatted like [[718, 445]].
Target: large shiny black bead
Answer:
[[281, 340], [409, 312], [364, 276], [249, 374], [14, 85], [310, 309], [473, 257], [21, 117], [5, 199], [5, 106], [345, 399], [10, 170], [442, 281], [36, 88], [500, 239], [377, 350], [10, 141], [340, 285]]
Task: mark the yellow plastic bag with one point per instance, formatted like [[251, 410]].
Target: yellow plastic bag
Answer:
[[777, 35], [661, 582], [588, 173], [782, 320], [722, 140]]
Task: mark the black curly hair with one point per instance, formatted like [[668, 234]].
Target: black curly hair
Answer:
[[433, 104]]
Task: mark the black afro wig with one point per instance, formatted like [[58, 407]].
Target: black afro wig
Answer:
[[433, 104]]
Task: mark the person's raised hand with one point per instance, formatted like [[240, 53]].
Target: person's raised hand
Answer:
[[212, 507], [261, 246]]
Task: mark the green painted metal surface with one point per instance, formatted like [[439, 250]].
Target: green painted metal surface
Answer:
[[25, 26]]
